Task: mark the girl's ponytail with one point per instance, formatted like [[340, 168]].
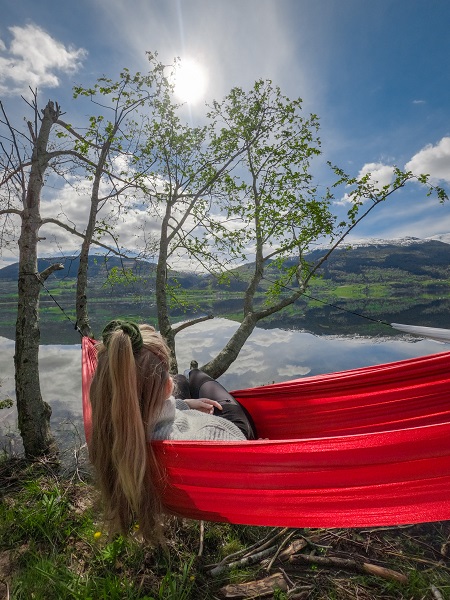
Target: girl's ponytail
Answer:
[[122, 411]]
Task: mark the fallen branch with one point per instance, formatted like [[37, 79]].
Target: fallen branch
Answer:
[[202, 538], [349, 564], [279, 549], [267, 541], [243, 562], [255, 589], [293, 548]]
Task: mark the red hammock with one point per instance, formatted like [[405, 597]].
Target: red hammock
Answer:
[[359, 448]]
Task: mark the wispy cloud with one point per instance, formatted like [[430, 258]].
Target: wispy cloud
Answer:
[[35, 59], [236, 43]]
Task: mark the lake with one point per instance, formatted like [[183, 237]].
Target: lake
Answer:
[[271, 355]]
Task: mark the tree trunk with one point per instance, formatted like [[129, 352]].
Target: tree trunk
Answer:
[[82, 276], [220, 363], [83, 267], [164, 324], [33, 412]]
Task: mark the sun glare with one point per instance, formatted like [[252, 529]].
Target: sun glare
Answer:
[[190, 81]]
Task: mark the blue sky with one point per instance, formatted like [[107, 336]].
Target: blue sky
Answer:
[[376, 73]]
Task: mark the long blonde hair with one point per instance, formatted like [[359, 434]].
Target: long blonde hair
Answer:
[[127, 393]]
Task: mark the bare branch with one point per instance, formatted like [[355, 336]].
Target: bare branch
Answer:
[[190, 323], [11, 211], [74, 231], [43, 275], [16, 147]]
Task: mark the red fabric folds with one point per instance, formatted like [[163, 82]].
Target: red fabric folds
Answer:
[[359, 448]]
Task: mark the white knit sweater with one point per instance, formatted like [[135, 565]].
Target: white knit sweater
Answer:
[[179, 422]]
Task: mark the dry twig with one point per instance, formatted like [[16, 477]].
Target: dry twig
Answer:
[[436, 593], [349, 564], [202, 537], [243, 562]]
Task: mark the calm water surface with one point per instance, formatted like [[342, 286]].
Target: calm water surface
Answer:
[[269, 356]]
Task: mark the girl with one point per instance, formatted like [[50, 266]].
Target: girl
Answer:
[[132, 403]]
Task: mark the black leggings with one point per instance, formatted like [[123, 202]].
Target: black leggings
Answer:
[[201, 385]]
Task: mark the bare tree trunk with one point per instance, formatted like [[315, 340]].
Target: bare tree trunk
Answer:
[[33, 412], [164, 324], [82, 276]]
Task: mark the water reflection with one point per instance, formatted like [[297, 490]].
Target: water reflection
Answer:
[[268, 356]]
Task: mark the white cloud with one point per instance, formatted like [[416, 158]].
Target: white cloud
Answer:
[[433, 160], [291, 371], [380, 175], [131, 229], [272, 336], [34, 59]]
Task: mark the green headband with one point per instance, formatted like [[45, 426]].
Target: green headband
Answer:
[[128, 327]]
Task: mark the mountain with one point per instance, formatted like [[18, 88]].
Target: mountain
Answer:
[[99, 266], [405, 281], [411, 256], [425, 257]]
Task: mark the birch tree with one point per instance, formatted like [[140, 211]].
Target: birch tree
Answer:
[[276, 204], [115, 135], [24, 177], [187, 170]]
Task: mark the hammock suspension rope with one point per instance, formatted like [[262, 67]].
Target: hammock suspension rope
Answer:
[[74, 323]]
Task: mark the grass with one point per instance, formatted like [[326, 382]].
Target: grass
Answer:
[[53, 547]]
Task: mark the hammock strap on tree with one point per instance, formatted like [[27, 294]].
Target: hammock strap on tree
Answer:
[[364, 447]]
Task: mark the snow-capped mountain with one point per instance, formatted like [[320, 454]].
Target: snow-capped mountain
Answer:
[[405, 241]]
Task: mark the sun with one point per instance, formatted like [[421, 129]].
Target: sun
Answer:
[[190, 81]]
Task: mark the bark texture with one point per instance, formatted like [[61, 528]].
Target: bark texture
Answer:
[[33, 412], [82, 276], [164, 324]]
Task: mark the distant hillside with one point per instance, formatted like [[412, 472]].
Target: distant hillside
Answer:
[[99, 266], [404, 283], [428, 258], [421, 258]]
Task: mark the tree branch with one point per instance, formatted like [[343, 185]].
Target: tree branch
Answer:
[[11, 211], [190, 323], [73, 231], [43, 275]]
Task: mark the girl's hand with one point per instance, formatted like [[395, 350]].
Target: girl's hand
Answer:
[[203, 404]]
